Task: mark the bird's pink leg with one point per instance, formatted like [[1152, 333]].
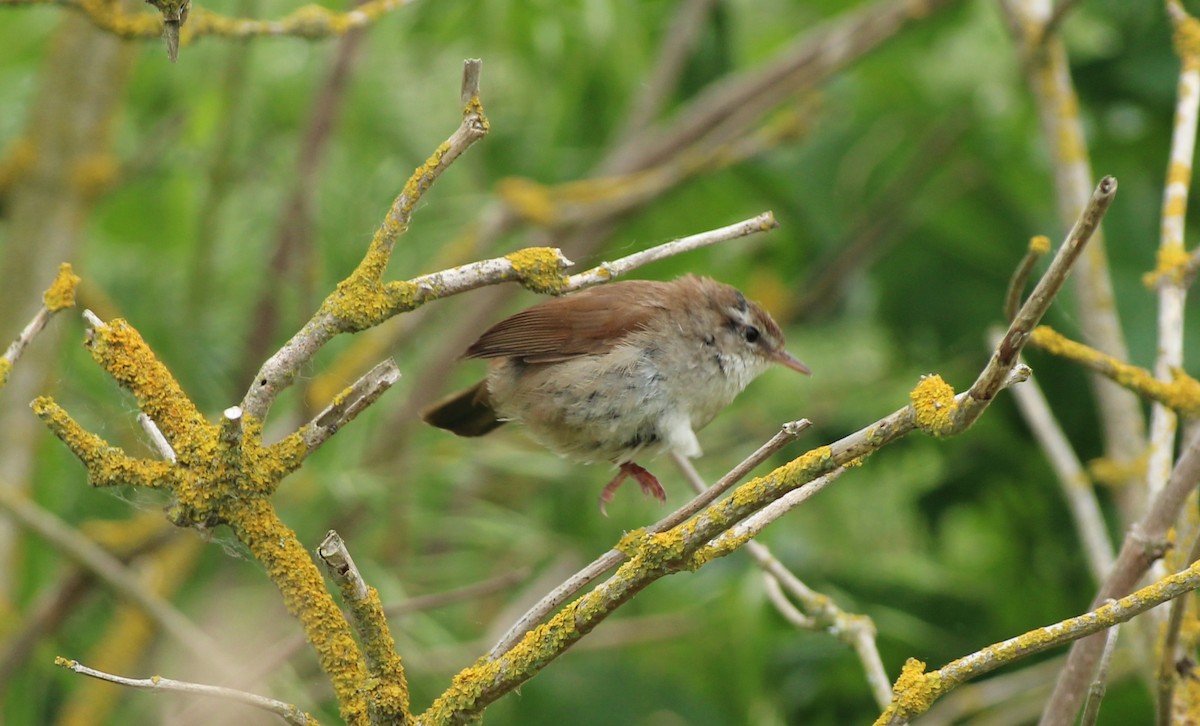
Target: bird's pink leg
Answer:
[[646, 480]]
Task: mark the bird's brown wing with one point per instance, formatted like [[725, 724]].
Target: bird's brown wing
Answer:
[[561, 328]]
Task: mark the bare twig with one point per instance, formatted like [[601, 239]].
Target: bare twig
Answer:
[[1005, 357], [1091, 707], [286, 711], [161, 445], [1038, 246], [1049, 79], [351, 402], [1072, 478], [609, 270], [786, 608]]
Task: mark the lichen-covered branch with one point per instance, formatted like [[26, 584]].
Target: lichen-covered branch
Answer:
[[915, 690], [1181, 394], [576, 582], [387, 694], [1144, 544], [363, 299], [222, 475], [310, 21], [1172, 288], [59, 296]]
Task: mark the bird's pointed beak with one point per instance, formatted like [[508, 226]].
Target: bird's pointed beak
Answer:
[[785, 358]]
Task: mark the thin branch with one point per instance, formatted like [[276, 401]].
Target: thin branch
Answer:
[[754, 524], [991, 379], [1038, 247], [1095, 695], [609, 270], [614, 557], [115, 575], [59, 296], [916, 690], [347, 405], [857, 631], [786, 608], [286, 711], [1072, 478], [161, 445]]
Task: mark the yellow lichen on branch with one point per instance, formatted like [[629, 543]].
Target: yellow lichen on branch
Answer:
[[1182, 394], [61, 293], [388, 689], [1172, 266], [106, 465], [914, 692], [300, 584], [539, 269], [223, 475], [1186, 38], [934, 406], [309, 21], [121, 351]]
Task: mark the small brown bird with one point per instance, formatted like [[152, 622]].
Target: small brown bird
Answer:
[[620, 371]]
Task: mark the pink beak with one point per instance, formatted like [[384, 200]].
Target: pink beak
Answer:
[[785, 358]]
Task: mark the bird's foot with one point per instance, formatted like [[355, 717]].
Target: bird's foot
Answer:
[[647, 481]]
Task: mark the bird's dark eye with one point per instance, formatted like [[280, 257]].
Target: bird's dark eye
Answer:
[[751, 334]]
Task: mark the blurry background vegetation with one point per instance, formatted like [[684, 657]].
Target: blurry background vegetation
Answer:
[[926, 154]]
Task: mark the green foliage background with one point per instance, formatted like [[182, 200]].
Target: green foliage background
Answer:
[[947, 545]]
